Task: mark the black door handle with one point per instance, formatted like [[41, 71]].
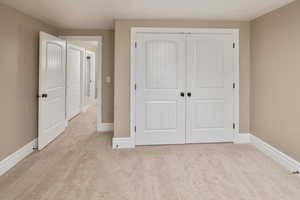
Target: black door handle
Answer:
[[189, 94], [182, 94], [44, 95]]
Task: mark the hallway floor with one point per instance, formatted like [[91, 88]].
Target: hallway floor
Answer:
[[81, 164]]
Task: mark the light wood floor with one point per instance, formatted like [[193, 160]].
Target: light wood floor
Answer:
[[80, 164]]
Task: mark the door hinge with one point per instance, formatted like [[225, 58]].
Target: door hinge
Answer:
[[233, 45], [233, 125], [134, 128], [135, 86], [135, 44], [233, 85]]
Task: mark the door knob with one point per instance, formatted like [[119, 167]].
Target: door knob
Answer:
[[182, 94], [189, 94], [44, 95]]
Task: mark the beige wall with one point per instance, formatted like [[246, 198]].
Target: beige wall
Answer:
[[107, 68], [19, 42], [275, 79], [122, 66]]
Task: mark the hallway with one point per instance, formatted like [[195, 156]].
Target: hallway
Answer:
[[81, 164]]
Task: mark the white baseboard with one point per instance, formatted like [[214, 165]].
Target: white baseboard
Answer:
[[123, 143], [242, 138], [286, 161], [105, 127], [11, 160]]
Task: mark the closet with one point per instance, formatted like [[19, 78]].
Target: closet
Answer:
[[185, 87]]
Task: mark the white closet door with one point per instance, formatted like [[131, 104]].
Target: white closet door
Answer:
[[75, 56], [210, 65], [160, 72]]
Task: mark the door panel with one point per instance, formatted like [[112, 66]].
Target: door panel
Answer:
[[75, 57], [210, 62], [214, 112], [160, 76], [51, 89], [54, 71], [160, 63], [160, 115]]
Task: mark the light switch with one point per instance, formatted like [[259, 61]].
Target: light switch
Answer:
[[108, 79]]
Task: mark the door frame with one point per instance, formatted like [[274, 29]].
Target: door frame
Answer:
[[98, 70], [133, 37]]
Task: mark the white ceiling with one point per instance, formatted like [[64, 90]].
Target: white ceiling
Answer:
[[100, 14]]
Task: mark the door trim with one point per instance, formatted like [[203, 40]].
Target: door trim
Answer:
[[99, 39], [133, 38]]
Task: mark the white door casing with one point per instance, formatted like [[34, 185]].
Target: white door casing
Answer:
[[210, 77], [52, 85], [75, 65], [160, 73]]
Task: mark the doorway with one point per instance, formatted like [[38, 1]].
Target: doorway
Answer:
[[91, 72], [69, 70], [74, 78], [184, 85]]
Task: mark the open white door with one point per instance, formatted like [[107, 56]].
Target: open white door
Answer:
[[75, 62], [52, 86]]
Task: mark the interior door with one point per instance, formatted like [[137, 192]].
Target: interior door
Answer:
[[160, 86], [210, 62], [91, 76], [75, 59], [52, 98]]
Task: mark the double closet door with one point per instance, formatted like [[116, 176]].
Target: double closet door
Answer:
[[184, 88]]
